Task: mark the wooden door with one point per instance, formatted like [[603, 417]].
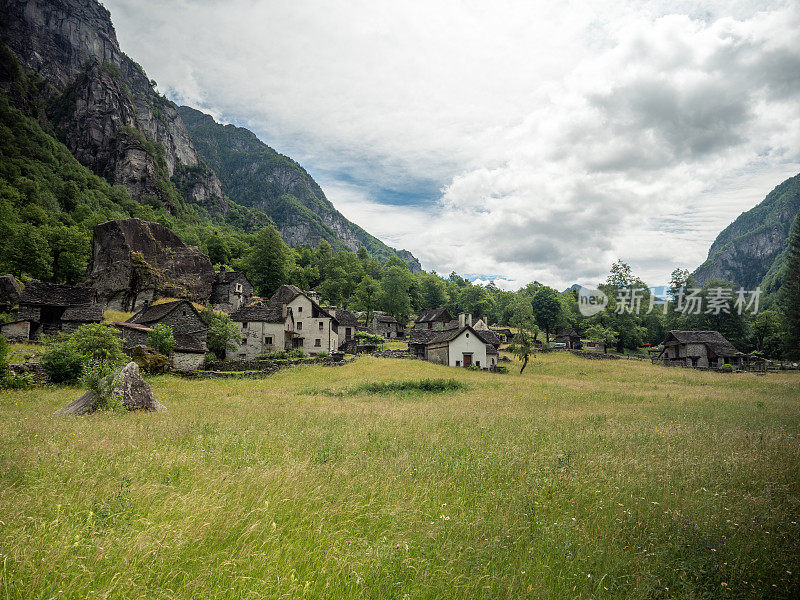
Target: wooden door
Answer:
[[467, 360]]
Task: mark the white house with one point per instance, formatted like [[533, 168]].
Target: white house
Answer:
[[463, 346]]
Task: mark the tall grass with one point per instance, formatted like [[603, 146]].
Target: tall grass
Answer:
[[578, 479]]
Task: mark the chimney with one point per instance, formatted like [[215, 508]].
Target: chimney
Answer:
[[486, 320], [469, 319], [313, 295], [462, 319]]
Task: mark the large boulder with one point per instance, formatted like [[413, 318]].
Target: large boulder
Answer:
[[10, 290], [130, 387], [135, 262]]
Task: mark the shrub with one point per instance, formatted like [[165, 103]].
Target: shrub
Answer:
[[423, 385], [726, 368], [161, 339], [15, 382], [3, 354], [100, 379], [502, 369], [323, 354], [62, 364]]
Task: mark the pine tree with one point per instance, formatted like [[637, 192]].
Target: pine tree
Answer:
[[790, 292]]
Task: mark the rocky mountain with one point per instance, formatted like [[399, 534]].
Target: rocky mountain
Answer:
[[103, 107], [254, 175], [752, 250]]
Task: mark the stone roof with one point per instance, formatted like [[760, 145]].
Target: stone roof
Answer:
[[189, 343], [385, 319], [568, 333], [447, 335], [155, 312], [228, 277], [422, 336], [267, 312], [89, 313], [346, 318], [714, 340], [491, 349], [434, 314], [286, 293], [134, 326], [53, 294]]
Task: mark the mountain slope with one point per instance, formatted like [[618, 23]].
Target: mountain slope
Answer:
[[751, 250], [256, 176]]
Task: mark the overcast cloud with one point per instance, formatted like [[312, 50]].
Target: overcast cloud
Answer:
[[508, 140]]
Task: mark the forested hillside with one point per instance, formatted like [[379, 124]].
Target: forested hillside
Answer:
[[751, 251]]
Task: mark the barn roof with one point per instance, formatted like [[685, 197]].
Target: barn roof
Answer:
[[385, 319], [714, 340], [345, 317], [286, 293], [53, 294], [89, 313], [226, 277], [156, 312], [568, 333]]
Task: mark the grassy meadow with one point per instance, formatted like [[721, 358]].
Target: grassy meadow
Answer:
[[578, 479]]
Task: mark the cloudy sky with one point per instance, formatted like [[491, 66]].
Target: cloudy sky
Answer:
[[504, 140]]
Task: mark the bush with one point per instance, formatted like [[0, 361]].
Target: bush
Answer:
[[283, 354], [62, 364], [726, 368], [502, 369], [15, 382], [161, 339], [423, 385], [222, 332], [100, 379], [323, 354]]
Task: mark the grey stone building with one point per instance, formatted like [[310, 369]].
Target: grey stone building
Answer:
[[44, 305], [433, 318], [180, 315], [387, 326], [698, 349], [231, 291]]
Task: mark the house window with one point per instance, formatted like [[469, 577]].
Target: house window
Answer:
[[299, 309], [347, 333], [321, 325], [244, 325], [317, 342], [458, 363], [478, 363], [467, 335], [268, 340], [238, 288], [299, 325]]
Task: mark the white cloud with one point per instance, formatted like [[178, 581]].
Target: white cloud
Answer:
[[562, 135]]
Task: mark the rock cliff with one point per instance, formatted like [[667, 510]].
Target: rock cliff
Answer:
[[256, 176], [751, 250], [134, 262], [101, 103]]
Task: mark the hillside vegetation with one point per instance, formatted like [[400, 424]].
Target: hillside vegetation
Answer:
[[579, 479]]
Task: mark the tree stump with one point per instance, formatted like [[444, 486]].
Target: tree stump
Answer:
[[131, 387]]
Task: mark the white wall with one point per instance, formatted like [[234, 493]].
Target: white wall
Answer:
[[302, 310], [465, 343]]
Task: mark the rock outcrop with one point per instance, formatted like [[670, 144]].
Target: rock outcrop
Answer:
[[10, 290], [130, 387], [102, 105], [135, 262]]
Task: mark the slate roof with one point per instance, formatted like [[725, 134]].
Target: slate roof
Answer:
[[89, 313], [714, 340], [488, 336], [430, 315], [267, 312], [346, 318], [189, 343], [447, 335], [286, 293], [568, 333], [491, 349], [385, 319], [226, 277], [422, 336], [53, 294], [156, 312]]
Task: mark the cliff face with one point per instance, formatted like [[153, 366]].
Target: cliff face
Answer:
[[256, 176], [101, 103], [750, 250]]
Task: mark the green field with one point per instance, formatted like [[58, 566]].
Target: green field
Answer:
[[579, 479]]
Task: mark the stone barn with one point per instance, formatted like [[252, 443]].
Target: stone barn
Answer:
[[699, 349], [387, 326], [180, 315], [569, 337], [43, 306]]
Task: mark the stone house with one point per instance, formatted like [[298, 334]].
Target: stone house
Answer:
[[291, 319], [189, 351], [231, 291], [699, 349], [181, 315], [386, 326], [43, 306], [458, 346], [569, 337], [264, 328], [433, 318], [506, 335]]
